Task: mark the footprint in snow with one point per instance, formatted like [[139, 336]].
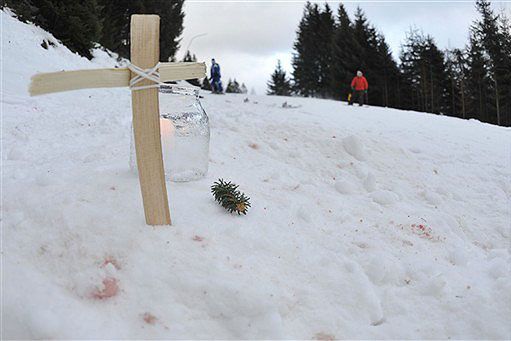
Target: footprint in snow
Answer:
[[432, 198], [354, 147], [43, 180], [435, 286], [15, 154], [345, 187], [384, 197], [302, 213], [370, 183], [364, 293]]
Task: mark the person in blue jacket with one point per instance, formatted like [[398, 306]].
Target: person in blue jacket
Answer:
[[216, 83]]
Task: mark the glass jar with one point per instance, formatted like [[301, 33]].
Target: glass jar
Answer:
[[184, 129]]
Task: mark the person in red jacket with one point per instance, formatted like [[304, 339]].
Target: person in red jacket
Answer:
[[359, 89]]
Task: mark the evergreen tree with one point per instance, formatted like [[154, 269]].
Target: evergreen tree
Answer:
[[410, 72], [116, 26], [491, 33], [425, 78], [236, 86], [206, 85], [362, 34], [191, 58], [279, 84], [25, 10], [171, 24], [439, 84], [456, 62], [305, 62], [79, 24], [74, 22], [386, 76], [117, 15], [243, 88], [370, 56], [324, 51], [505, 28], [344, 55], [233, 87], [377, 63], [312, 60], [477, 80]]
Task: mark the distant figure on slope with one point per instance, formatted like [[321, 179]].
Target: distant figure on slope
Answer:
[[216, 83], [359, 89]]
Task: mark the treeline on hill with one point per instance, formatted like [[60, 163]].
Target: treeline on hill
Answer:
[[235, 88], [232, 85], [473, 82], [80, 24]]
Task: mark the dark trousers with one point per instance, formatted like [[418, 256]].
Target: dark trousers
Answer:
[[360, 96], [216, 85]]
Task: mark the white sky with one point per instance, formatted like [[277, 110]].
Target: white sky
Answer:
[[247, 37]]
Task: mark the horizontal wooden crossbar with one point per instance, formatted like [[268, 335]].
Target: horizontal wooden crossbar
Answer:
[[45, 83]]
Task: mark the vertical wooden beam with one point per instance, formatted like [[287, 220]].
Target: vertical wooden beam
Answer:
[[145, 53]]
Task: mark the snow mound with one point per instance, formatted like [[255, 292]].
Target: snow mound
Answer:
[[350, 234], [354, 147], [345, 187], [384, 197]]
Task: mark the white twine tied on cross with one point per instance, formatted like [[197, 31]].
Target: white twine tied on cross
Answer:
[[151, 74]]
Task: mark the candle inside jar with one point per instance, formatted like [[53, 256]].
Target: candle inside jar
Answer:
[[168, 132], [184, 131]]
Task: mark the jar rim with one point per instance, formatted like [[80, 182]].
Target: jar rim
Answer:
[[178, 90]]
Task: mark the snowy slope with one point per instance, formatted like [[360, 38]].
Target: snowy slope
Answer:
[[365, 222]]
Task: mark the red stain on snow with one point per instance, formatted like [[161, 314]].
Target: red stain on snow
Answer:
[[111, 288], [149, 318], [422, 230], [197, 238], [111, 260]]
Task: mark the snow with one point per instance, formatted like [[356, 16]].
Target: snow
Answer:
[[354, 147], [365, 222]]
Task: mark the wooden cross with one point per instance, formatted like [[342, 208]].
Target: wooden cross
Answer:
[[145, 51]]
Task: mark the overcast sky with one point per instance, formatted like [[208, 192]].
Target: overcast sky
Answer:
[[247, 37]]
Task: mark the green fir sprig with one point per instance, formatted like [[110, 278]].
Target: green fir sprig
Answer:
[[228, 195]]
